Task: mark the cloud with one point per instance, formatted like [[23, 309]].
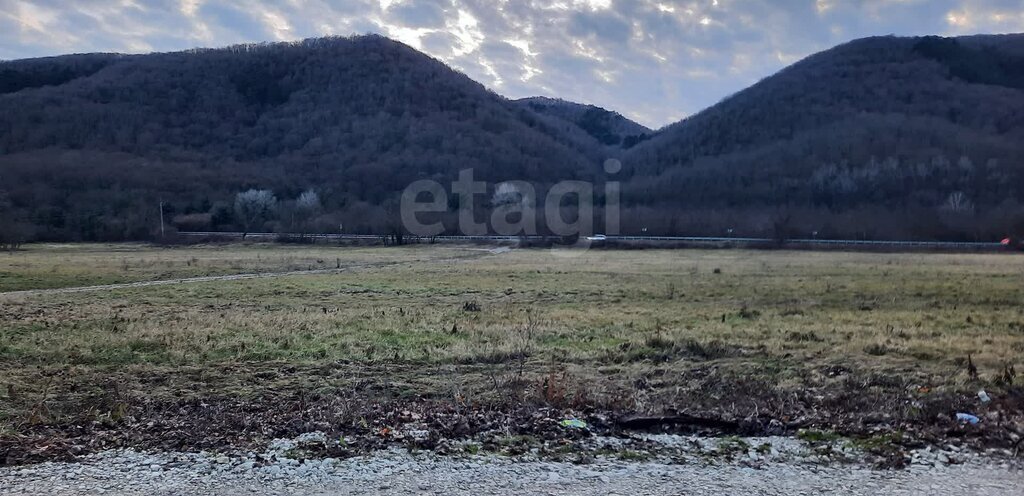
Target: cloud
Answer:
[[605, 25], [653, 60], [422, 14]]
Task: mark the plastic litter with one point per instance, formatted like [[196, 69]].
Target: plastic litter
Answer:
[[983, 396], [967, 418], [574, 424]]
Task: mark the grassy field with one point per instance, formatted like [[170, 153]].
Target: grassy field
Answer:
[[646, 330], [69, 265]]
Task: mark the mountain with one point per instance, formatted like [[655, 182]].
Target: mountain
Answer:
[[882, 137], [88, 141], [905, 125], [609, 128]]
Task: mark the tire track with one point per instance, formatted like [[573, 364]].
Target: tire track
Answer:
[[233, 277]]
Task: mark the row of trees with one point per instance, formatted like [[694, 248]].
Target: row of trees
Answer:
[[252, 210], [261, 211], [934, 199], [956, 218]]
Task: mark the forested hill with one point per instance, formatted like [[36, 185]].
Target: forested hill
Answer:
[[878, 138], [87, 141], [912, 127], [609, 128]]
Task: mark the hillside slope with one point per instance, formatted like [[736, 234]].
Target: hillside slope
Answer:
[[891, 122], [608, 128], [87, 139]]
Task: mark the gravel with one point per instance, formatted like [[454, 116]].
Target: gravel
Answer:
[[760, 466]]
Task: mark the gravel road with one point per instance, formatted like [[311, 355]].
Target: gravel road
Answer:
[[398, 472]]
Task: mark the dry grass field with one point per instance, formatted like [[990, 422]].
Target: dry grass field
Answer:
[[808, 337], [48, 266]]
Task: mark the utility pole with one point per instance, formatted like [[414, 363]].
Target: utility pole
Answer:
[[161, 218]]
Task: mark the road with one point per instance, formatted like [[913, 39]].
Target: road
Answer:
[[691, 240]]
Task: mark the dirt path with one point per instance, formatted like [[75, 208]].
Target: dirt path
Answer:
[[236, 277], [168, 282]]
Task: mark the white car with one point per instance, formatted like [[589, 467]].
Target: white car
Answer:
[[597, 237]]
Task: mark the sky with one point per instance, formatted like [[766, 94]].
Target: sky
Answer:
[[655, 61]]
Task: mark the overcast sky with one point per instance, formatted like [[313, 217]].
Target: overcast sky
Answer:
[[656, 61]]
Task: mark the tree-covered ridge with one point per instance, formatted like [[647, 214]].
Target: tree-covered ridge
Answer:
[[358, 118], [607, 127], [878, 123], [54, 71], [348, 103], [977, 64], [864, 140]]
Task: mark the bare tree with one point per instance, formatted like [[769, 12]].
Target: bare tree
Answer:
[[307, 206], [507, 194], [309, 202], [254, 207], [782, 225], [958, 203], [14, 234], [394, 229]]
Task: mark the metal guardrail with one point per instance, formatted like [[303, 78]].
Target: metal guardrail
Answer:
[[678, 239]]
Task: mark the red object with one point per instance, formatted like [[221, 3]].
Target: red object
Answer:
[[1006, 242]]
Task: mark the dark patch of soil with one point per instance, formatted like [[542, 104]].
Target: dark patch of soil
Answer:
[[73, 412]]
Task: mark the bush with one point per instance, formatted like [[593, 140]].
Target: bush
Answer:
[[14, 234]]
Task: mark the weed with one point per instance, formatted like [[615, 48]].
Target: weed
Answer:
[[748, 314], [804, 337], [813, 436], [879, 443], [733, 444], [707, 350], [628, 455], [877, 349]]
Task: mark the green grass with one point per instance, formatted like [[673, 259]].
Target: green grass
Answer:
[[603, 306]]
